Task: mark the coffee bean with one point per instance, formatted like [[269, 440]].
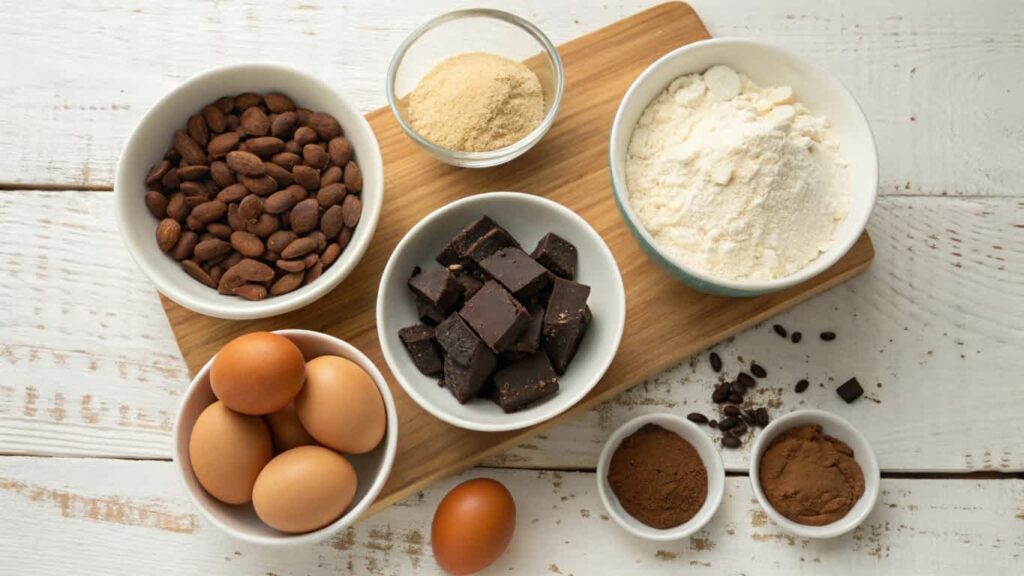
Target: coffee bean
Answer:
[[716, 362], [828, 336], [727, 423], [796, 337], [697, 418], [762, 417], [850, 390], [745, 379], [731, 411], [713, 423], [737, 388], [721, 393], [748, 418], [801, 386], [730, 441], [735, 399], [757, 370], [739, 429], [779, 330]]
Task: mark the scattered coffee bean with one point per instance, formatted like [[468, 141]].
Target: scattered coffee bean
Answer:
[[716, 362], [779, 330], [850, 390], [731, 411], [737, 388], [745, 379], [730, 441], [727, 423], [762, 417], [757, 370], [721, 393], [697, 418], [735, 399], [796, 337], [748, 417], [739, 429], [828, 336], [801, 386], [713, 423]]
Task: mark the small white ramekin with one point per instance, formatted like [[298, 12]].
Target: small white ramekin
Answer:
[[837, 428], [708, 454]]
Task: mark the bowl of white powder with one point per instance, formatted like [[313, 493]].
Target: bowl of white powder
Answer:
[[742, 168]]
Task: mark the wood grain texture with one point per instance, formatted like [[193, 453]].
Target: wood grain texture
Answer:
[[938, 79], [123, 517], [665, 321]]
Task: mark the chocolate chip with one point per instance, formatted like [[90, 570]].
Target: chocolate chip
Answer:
[[850, 390], [716, 362], [779, 330], [828, 336], [727, 423], [745, 379], [758, 370], [801, 386], [721, 393], [796, 337], [731, 411], [730, 441], [697, 418], [713, 423], [739, 429], [761, 415]]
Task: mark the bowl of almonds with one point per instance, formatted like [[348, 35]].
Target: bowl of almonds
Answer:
[[249, 191]]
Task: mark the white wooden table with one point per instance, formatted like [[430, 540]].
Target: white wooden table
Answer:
[[90, 374]]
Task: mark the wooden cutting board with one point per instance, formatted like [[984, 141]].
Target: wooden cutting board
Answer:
[[665, 321]]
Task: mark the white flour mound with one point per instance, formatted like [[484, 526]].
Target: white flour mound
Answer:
[[735, 179]]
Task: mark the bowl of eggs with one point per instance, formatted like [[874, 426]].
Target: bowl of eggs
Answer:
[[285, 438]]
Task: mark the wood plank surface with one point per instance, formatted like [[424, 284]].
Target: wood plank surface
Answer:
[[665, 321], [90, 516]]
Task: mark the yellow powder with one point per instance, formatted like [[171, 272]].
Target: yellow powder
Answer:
[[476, 102]]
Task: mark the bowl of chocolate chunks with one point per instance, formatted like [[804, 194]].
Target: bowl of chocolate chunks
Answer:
[[500, 311]]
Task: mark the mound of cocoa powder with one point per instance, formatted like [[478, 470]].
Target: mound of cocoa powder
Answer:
[[658, 477]]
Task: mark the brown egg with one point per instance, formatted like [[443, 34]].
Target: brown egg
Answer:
[[341, 406], [285, 429], [228, 450], [257, 373], [473, 526], [304, 489]]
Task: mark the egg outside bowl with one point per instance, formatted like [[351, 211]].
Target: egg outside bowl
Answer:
[[836, 427], [527, 218], [475, 30], [152, 137], [241, 522], [708, 454], [766, 65]]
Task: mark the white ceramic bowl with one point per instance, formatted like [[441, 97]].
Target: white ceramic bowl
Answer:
[[152, 137], [241, 522], [708, 454], [770, 65], [837, 428], [527, 218]]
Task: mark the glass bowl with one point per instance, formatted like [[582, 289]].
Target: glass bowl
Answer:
[[476, 30]]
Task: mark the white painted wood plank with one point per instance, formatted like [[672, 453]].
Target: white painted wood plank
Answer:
[[88, 365], [939, 79], [129, 517]]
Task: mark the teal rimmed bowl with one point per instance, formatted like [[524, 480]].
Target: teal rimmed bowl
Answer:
[[765, 64]]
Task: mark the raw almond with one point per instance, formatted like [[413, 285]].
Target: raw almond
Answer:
[[186, 244], [157, 204], [170, 181], [332, 221], [253, 270], [209, 211], [194, 172], [344, 236], [228, 282], [314, 272], [247, 100], [250, 207], [304, 135], [194, 189], [176, 206], [247, 244], [298, 248], [214, 118], [280, 201], [225, 104], [315, 156], [264, 146], [286, 160], [278, 240], [235, 219], [266, 225], [222, 144], [277, 102], [307, 177], [291, 265], [157, 172], [211, 249], [167, 233], [284, 125], [220, 230], [245, 163], [281, 175], [254, 122], [309, 260], [325, 125], [330, 195], [232, 193], [187, 147], [198, 130], [332, 175], [330, 254], [196, 271], [251, 291], [194, 224], [305, 215], [351, 210], [287, 283], [262, 185]]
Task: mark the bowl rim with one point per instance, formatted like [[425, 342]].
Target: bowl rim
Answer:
[[619, 295], [820, 264], [832, 425], [490, 157], [715, 467], [389, 442], [370, 159]]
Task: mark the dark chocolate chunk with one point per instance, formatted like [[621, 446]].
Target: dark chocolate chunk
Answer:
[[557, 255], [801, 386], [455, 251], [796, 337], [525, 382], [757, 370], [494, 240], [529, 339], [697, 418], [716, 362], [828, 336], [428, 313], [730, 441], [745, 379], [517, 272], [465, 382], [850, 390], [419, 341], [565, 322], [495, 316], [780, 330], [437, 286], [470, 284], [459, 341]]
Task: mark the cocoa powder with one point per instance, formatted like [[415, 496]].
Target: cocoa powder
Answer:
[[810, 477], [658, 477]]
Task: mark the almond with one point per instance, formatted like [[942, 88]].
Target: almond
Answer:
[[254, 122], [260, 185], [232, 193], [193, 172], [221, 174], [281, 175], [330, 195], [222, 144], [176, 206], [198, 130], [187, 147], [235, 219], [264, 146], [287, 283], [315, 156], [325, 125], [211, 249], [196, 271], [278, 240], [298, 248], [225, 104], [250, 207], [186, 244], [283, 126], [286, 160], [304, 135], [157, 172], [308, 178], [351, 210], [353, 178], [343, 237], [291, 265], [245, 163], [332, 221], [305, 215], [277, 102], [170, 181], [157, 204], [340, 150], [209, 211], [167, 233], [251, 291], [314, 272], [214, 118], [332, 175], [330, 254], [279, 201], [247, 100], [264, 226], [247, 244], [220, 230], [253, 270]]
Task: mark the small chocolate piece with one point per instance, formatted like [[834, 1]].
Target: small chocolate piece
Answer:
[[494, 240], [828, 336], [850, 390], [529, 339], [517, 272], [459, 341], [801, 386], [428, 313], [557, 255], [565, 322], [465, 382], [697, 418], [796, 337], [455, 251], [495, 316], [437, 286], [470, 284], [780, 330], [524, 383], [757, 370], [716, 362], [419, 341]]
